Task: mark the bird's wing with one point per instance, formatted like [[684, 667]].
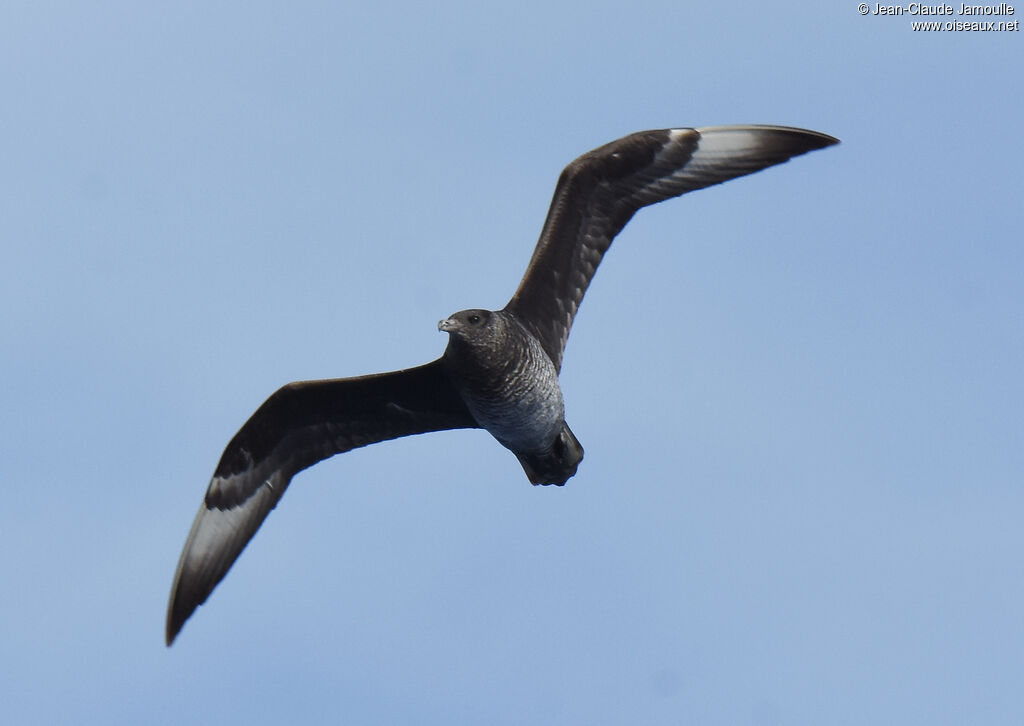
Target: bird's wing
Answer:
[[599, 192], [299, 425]]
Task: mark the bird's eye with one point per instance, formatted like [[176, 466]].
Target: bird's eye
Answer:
[[474, 319]]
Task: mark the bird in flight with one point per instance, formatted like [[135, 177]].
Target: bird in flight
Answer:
[[500, 368]]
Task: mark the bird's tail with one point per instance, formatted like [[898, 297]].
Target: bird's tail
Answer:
[[556, 465]]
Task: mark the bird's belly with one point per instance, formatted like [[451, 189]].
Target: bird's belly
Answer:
[[522, 418]]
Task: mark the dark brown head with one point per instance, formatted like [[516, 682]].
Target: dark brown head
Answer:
[[479, 339], [467, 323]]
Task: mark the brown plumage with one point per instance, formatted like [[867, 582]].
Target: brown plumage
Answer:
[[500, 369]]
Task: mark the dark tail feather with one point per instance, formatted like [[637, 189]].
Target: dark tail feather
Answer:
[[556, 465]]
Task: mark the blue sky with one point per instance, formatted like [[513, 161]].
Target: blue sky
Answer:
[[800, 392]]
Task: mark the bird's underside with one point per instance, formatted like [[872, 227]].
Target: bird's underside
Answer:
[[500, 370]]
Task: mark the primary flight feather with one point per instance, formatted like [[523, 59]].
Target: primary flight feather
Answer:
[[500, 369]]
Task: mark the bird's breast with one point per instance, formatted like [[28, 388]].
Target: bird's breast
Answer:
[[518, 401]]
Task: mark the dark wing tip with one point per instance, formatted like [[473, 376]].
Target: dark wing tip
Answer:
[[176, 617], [179, 609], [185, 597], [826, 140], [813, 140]]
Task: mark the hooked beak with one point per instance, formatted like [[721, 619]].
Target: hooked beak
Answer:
[[446, 326]]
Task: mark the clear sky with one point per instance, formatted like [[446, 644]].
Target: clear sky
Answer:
[[800, 393]]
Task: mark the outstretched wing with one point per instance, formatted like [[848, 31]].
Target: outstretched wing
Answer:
[[299, 425], [599, 192]]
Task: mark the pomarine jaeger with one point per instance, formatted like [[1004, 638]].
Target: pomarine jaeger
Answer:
[[500, 368]]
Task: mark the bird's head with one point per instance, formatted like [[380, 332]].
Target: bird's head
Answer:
[[479, 335], [467, 324]]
